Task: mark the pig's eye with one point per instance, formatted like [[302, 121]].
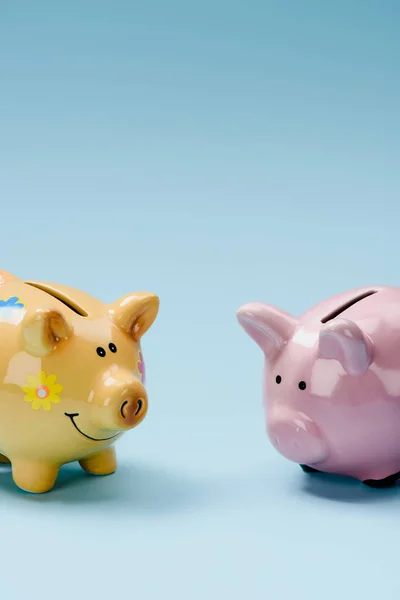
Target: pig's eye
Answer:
[[100, 351], [278, 379], [302, 385], [113, 347]]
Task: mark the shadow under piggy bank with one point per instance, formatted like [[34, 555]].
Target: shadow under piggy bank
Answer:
[[339, 488], [142, 488]]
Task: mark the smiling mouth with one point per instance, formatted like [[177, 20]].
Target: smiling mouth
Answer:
[[72, 417]]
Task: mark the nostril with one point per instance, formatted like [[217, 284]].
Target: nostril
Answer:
[[122, 408], [139, 407]]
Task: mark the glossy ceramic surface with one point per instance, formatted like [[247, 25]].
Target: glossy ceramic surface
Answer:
[[332, 381], [71, 377]]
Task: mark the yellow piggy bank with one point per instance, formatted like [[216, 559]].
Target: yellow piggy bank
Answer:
[[71, 377]]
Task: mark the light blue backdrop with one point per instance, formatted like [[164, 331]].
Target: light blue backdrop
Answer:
[[215, 152]]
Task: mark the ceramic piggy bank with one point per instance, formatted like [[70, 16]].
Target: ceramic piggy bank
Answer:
[[71, 377], [332, 382]]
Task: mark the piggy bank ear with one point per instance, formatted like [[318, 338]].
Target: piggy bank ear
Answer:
[[135, 313], [43, 330], [344, 341], [268, 326]]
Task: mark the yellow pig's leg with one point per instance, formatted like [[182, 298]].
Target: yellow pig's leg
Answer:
[[100, 463], [34, 477]]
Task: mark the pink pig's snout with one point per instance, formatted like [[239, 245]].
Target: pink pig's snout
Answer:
[[120, 401], [296, 437]]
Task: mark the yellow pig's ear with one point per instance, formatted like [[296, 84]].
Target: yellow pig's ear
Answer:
[[135, 313], [43, 330]]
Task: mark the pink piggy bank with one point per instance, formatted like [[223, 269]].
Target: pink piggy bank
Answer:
[[332, 382]]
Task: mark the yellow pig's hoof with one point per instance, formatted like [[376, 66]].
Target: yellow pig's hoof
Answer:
[[100, 463], [36, 478], [4, 459]]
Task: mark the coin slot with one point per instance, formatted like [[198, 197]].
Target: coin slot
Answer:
[[61, 297], [338, 311]]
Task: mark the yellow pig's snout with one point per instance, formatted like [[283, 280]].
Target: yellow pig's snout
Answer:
[[119, 401]]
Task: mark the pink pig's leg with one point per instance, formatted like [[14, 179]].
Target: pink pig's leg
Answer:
[[308, 469], [383, 483], [34, 477], [100, 463]]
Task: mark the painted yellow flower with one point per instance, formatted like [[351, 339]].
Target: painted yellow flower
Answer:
[[42, 391]]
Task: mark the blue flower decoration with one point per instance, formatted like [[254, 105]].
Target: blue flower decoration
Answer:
[[11, 303], [7, 306]]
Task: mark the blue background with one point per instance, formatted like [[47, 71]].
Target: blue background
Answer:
[[214, 152]]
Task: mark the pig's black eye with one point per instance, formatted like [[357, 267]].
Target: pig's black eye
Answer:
[[100, 351], [278, 379], [113, 347], [302, 385]]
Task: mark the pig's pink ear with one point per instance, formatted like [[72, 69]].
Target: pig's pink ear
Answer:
[[268, 326], [135, 313], [345, 342], [43, 330]]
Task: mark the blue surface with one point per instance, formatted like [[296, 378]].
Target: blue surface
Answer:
[[216, 153]]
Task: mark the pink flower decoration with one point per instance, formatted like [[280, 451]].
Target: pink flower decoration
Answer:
[[141, 367]]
